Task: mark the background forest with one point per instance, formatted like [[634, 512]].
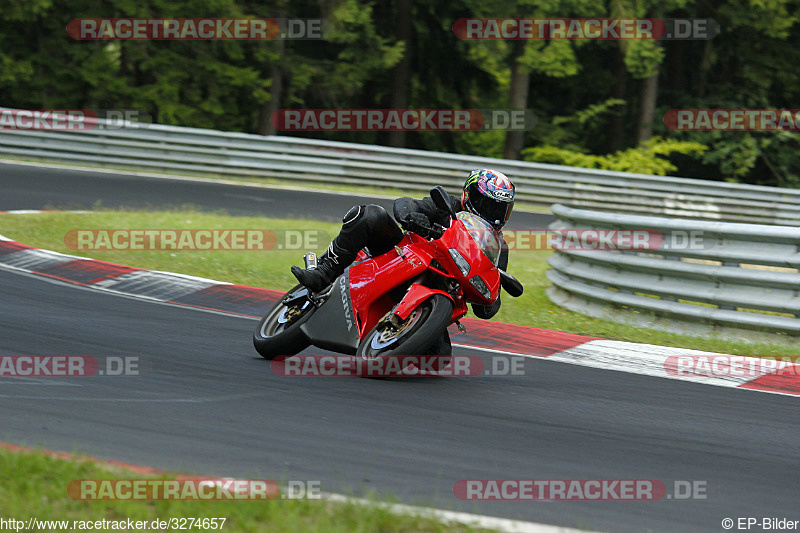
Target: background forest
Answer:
[[599, 104]]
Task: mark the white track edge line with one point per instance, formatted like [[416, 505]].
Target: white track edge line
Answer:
[[506, 525]]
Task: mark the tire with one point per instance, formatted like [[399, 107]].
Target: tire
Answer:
[[423, 332], [273, 338], [442, 349], [441, 346]]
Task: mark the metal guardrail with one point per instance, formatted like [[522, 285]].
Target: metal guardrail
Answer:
[[176, 149], [741, 276]]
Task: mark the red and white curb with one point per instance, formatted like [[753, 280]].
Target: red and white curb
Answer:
[[709, 368], [721, 370]]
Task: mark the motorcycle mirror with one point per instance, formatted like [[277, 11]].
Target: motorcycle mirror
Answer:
[[511, 284], [442, 200]]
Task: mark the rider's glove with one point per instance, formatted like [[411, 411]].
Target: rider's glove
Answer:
[[418, 223]]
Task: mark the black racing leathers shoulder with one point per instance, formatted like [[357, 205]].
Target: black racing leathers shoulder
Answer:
[[404, 206]]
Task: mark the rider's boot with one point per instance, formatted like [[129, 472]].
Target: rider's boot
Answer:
[[330, 266]]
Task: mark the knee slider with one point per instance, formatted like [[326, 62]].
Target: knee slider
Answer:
[[371, 214], [352, 216], [376, 215]]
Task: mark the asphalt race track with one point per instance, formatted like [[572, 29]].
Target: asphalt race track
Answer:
[[206, 403], [30, 187]]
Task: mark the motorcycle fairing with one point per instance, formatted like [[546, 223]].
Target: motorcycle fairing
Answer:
[[333, 326], [374, 296]]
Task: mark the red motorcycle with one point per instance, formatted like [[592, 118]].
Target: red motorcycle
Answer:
[[398, 303]]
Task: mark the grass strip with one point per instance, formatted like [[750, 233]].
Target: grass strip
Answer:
[[34, 485]]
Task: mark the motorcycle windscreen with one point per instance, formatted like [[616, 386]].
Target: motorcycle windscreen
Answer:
[[488, 239]]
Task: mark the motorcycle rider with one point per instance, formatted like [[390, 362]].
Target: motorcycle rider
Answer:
[[486, 193]]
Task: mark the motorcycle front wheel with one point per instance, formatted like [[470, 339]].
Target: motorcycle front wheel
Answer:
[[418, 335], [278, 332]]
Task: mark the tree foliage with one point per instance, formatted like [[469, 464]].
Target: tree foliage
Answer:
[[588, 96]]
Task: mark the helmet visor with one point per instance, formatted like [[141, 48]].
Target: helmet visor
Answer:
[[493, 211]]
